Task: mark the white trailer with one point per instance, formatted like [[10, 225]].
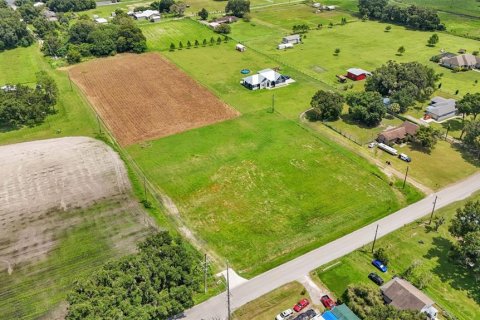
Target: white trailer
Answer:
[[388, 149]]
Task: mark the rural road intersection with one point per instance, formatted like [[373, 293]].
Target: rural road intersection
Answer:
[[216, 307]]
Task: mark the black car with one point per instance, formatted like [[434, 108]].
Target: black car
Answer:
[[375, 278], [307, 315]]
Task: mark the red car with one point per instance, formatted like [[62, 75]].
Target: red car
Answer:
[[301, 305], [327, 302]]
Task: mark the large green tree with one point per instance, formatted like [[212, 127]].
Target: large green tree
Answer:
[[472, 136], [237, 7], [466, 220], [13, 31], [372, 8], [71, 5], [427, 137], [156, 283], [327, 105], [367, 107]]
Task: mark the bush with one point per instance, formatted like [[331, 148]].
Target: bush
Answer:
[[223, 28], [73, 56]]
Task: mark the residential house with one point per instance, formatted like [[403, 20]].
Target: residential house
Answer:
[[441, 109], [463, 61], [265, 79], [226, 19], [293, 39], [357, 74], [50, 15], [145, 15], [399, 133], [402, 295]]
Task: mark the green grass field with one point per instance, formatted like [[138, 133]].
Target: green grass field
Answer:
[[452, 288], [268, 306], [464, 7], [244, 184], [73, 117], [35, 289]]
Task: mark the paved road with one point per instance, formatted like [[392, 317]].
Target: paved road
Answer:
[[216, 308]]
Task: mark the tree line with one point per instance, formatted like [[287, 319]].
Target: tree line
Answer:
[[13, 31], [412, 16], [21, 105], [157, 282]]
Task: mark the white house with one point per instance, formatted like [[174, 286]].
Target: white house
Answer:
[[294, 39], [145, 15], [266, 79], [282, 46]]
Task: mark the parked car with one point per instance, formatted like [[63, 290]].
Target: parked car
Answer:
[[301, 305], [372, 144], [375, 278], [327, 302], [284, 314], [307, 315], [379, 265], [404, 157]]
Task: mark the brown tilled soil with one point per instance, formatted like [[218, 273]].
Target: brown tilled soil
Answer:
[[143, 97], [42, 182]]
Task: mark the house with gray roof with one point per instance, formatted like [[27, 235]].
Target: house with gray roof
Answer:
[[464, 61], [294, 39], [402, 295], [265, 79], [441, 109]]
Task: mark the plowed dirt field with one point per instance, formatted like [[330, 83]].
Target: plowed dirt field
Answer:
[[144, 97]]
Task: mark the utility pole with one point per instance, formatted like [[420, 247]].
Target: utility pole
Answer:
[[375, 239], [433, 209], [446, 134], [205, 268], [144, 187], [273, 103], [405, 180], [228, 292], [99, 126]]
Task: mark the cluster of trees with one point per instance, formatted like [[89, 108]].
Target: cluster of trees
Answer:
[[367, 303], [412, 16], [13, 32], [86, 38], [71, 5], [405, 83], [427, 137], [367, 107], [238, 8], [155, 283], [466, 228], [23, 105], [162, 6], [326, 105], [300, 28]]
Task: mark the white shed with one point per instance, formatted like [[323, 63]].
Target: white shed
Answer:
[[240, 47]]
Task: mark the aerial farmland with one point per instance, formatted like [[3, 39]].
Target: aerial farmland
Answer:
[[239, 160]]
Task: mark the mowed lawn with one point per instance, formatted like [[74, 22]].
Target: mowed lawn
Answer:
[[450, 286], [363, 44], [73, 114], [261, 189]]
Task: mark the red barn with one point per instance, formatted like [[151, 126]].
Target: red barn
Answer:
[[357, 74]]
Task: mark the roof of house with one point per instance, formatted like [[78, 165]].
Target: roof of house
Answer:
[[266, 74], [462, 60], [329, 316], [440, 106], [358, 71], [342, 312], [407, 128], [404, 295], [292, 37], [101, 20], [146, 13], [228, 19]]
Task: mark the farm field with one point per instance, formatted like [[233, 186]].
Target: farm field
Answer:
[[465, 7], [242, 185], [73, 117], [62, 215], [158, 102], [449, 285]]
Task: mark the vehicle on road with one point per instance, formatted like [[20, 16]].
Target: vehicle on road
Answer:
[[404, 157], [372, 144], [284, 314], [379, 265], [301, 305], [327, 302], [375, 278]]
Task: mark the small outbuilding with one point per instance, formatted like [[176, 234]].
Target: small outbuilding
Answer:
[[39, 4], [282, 46], [441, 109], [240, 47], [293, 39], [342, 312], [100, 20], [357, 74], [402, 295]]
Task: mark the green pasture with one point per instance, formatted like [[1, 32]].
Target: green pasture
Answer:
[[462, 7], [244, 184], [450, 286], [73, 117]]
